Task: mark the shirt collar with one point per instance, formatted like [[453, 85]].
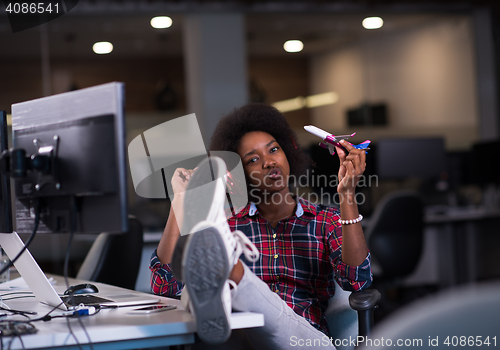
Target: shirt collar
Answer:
[[298, 212], [303, 207]]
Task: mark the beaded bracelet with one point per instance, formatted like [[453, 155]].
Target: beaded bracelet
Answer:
[[353, 221]]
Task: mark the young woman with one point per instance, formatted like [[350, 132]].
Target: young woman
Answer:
[[303, 246]]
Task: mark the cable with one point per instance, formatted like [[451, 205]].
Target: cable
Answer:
[[18, 292], [2, 299], [19, 297], [74, 314], [73, 334], [66, 264], [30, 238], [21, 340], [12, 261], [18, 312]]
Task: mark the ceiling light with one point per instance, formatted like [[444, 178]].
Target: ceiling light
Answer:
[[160, 22], [290, 105], [323, 99], [373, 22], [293, 46], [102, 47], [299, 102]]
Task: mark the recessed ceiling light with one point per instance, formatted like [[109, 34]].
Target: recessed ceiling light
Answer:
[[160, 22], [102, 47], [293, 46], [373, 23]]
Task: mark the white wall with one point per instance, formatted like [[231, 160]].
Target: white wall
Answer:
[[425, 74]]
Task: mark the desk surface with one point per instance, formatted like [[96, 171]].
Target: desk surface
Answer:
[[111, 328], [452, 214]]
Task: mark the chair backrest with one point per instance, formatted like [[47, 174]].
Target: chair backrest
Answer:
[[395, 234], [115, 258], [465, 317]]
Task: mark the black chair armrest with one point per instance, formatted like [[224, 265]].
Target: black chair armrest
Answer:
[[364, 302]]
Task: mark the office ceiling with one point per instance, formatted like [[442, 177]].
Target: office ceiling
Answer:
[[321, 25]]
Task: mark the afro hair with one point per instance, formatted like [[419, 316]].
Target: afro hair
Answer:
[[259, 117]]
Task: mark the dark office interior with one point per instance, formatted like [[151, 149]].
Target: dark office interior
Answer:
[[424, 89]]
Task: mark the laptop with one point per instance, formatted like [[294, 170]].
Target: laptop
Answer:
[[45, 292]]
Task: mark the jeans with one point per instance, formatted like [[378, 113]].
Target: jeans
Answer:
[[283, 328]]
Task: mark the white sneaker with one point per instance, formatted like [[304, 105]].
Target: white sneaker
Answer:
[[204, 258]]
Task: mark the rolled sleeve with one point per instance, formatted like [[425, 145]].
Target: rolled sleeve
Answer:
[[163, 281], [351, 278], [354, 278]]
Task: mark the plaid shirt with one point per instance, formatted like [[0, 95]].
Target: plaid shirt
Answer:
[[299, 259]]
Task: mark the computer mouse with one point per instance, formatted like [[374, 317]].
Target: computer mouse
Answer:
[[84, 288]]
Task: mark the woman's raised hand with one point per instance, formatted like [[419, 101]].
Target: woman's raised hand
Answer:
[[352, 167]]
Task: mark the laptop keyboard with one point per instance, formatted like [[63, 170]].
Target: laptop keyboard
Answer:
[[85, 299]]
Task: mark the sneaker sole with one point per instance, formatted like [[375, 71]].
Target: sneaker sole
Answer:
[[206, 270], [208, 171]]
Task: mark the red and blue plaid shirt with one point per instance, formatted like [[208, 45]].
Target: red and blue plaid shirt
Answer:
[[299, 259]]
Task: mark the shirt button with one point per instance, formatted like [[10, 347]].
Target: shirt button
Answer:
[[277, 277], [277, 291], [274, 236], [276, 256]]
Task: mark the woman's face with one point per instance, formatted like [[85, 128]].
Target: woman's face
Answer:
[[264, 161]]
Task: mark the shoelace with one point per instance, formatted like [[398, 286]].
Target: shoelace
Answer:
[[233, 284], [249, 249]]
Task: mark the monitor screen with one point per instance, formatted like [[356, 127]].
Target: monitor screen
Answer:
[[402, 158], [83, 187], [485, 167]]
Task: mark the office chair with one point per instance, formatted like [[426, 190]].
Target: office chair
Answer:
[[465, 317], [395, 239], [115, 258], [395, 235], [350, 314]]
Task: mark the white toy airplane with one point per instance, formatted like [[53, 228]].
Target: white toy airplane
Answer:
[[330, 141]]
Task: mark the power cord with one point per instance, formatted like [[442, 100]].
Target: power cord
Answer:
[[75, 202]]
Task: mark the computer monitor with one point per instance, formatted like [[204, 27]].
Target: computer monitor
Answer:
[[484, 155], [5, 199], [402, 158], [82, 187]]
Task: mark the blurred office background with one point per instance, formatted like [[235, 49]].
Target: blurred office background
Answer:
[[423, 88]]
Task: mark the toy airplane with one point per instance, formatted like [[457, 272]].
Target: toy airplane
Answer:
[[330, 141]]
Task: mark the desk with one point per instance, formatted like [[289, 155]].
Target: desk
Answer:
[[457, 242], [450, 253], [114, 328]]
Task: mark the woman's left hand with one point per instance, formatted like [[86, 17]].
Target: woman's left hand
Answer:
[[352, 167]]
